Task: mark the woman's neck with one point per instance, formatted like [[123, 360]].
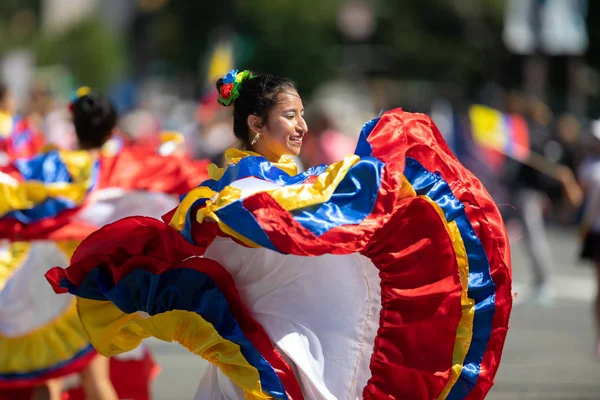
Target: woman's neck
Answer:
[[272, 157], [234, 155]]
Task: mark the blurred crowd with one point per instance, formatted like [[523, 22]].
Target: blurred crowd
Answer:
[[203, 128], [553, 185]]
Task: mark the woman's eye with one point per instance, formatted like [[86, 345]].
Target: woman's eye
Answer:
[[290, 116]]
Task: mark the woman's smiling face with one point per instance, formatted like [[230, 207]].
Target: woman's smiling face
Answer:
[[284, 129]]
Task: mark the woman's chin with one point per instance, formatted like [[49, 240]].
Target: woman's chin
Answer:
[[294, 149]]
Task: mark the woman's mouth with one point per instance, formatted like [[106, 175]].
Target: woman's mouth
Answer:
[[296, 141]]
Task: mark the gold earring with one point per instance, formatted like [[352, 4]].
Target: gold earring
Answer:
[[255, 139]]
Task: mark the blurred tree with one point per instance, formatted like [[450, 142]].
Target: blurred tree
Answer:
[[19, 22], [296, 39], [174, 37], [440, 39], [455, 40], [9, 7], [94, 55]]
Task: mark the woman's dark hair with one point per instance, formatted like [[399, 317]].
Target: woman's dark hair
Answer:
[[94, 118], [257, 96]]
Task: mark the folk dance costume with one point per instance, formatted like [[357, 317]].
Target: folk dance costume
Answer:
[[384, 275], [18, 138], [48, 204]]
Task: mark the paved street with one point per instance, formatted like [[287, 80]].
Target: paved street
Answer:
[[548, 354], [549, 350]]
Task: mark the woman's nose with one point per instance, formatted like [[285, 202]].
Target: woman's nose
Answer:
[[302, 125]]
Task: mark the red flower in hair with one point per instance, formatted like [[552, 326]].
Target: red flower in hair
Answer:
[[226, 90]]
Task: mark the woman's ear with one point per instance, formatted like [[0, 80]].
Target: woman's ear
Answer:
[[255, 123]]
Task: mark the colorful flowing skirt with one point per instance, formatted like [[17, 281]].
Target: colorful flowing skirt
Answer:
[[40, 334], [384, 275]]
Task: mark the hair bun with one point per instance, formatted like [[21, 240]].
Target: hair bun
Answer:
[[94, 117], [94, 108], [230, 85], [88, 104]]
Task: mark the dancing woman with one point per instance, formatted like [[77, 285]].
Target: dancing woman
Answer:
[[48, 204], [386, 274]]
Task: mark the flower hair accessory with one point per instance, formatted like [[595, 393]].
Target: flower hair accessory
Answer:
[[232, 83], [82, 91]]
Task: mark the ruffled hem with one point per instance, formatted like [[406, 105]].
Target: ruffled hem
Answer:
[[57, 349], [207, 317]]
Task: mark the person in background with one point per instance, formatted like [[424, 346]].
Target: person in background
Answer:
[[19, 138], [47, 205], [589, 176], [7, 111], [529, 187], [325, 144], [215, 135], [565, 149], [41, 103]]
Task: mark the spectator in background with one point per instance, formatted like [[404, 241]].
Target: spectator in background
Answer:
[[213, 129], [7, 111], [528, 198], [529, 187], [589, 176], [324, 144], [18, 136], [565, 149], [140, 127], [568, 135], [50, 118], [41, 102], [215, 136]]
